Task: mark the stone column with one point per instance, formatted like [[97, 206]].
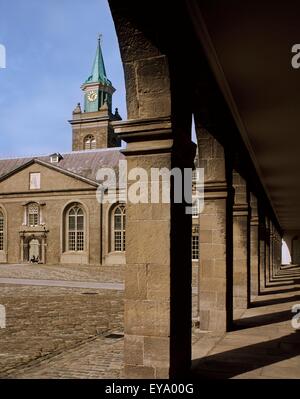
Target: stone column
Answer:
[[272, 249], [21, 248], [254, 247], [277, 251], [268, 252], [262, 254], [215, 283], [240, 243], [44, 250], [158, 258], [157, 319]]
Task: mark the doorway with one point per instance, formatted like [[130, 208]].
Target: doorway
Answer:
[[34, 250]]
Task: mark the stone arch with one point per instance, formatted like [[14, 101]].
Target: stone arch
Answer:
[[32, 245]]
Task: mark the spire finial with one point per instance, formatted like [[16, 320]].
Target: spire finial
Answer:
[[100, 38]]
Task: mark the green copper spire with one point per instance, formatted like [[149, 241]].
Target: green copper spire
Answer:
[[98, 72], [98, 90]]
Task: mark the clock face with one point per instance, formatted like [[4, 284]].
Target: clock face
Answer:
[[92, 96]]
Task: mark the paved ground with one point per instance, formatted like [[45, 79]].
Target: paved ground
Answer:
[[62, 283], [264, 345], [112, 274], [74, 329], [60, 332], [98, 357]]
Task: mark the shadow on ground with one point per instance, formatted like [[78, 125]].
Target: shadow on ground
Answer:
[[234, 362], [262, 342]]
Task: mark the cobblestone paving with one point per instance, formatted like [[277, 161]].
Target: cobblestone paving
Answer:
[[73, 272], [58, 332], [62, 283], [97, 358], [46, 323]]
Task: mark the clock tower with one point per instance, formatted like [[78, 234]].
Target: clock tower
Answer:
[[91, 126]]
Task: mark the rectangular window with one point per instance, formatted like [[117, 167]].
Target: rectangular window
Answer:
[[118, 241], [195, 207], [33, 219], [80, 241], [195, 247], [35, 181], [72, 241]]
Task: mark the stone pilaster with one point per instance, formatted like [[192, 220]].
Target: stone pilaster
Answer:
[[157, 317], [254, 248], [262, 254], [215, 283], [268, 251], [240, 243], [277, 251], [272, 251]]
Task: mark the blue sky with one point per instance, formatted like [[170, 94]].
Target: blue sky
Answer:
[[50, 50]]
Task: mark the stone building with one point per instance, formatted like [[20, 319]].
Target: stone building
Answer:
[[206, 62], [191, 62], [49, 211], [48, 207]]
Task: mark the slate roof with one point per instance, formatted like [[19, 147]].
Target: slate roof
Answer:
[[81, 163]]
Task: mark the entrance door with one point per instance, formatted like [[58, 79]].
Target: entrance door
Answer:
[[34, 250]]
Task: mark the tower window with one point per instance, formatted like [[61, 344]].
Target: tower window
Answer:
[[90, 143]]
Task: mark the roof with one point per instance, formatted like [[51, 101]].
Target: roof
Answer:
[[98, 74], [81, 163]]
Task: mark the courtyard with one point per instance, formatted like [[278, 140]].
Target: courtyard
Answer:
[[54, 331], [67, 322]]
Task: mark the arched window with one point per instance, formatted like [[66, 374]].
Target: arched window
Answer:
[[2, 231], [118, 224], [75, 229], [90, 143], [33, 214]]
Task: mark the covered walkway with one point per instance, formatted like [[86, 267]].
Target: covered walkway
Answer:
[[228, 68], [263, 344]]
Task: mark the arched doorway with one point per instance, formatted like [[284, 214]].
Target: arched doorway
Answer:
[[34, 250]]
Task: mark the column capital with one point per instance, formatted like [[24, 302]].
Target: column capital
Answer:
[[216, 190], [241, 209], [254, 221], [148, 135], [154, 136]]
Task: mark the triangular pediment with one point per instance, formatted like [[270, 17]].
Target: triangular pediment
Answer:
[[48, 177]]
